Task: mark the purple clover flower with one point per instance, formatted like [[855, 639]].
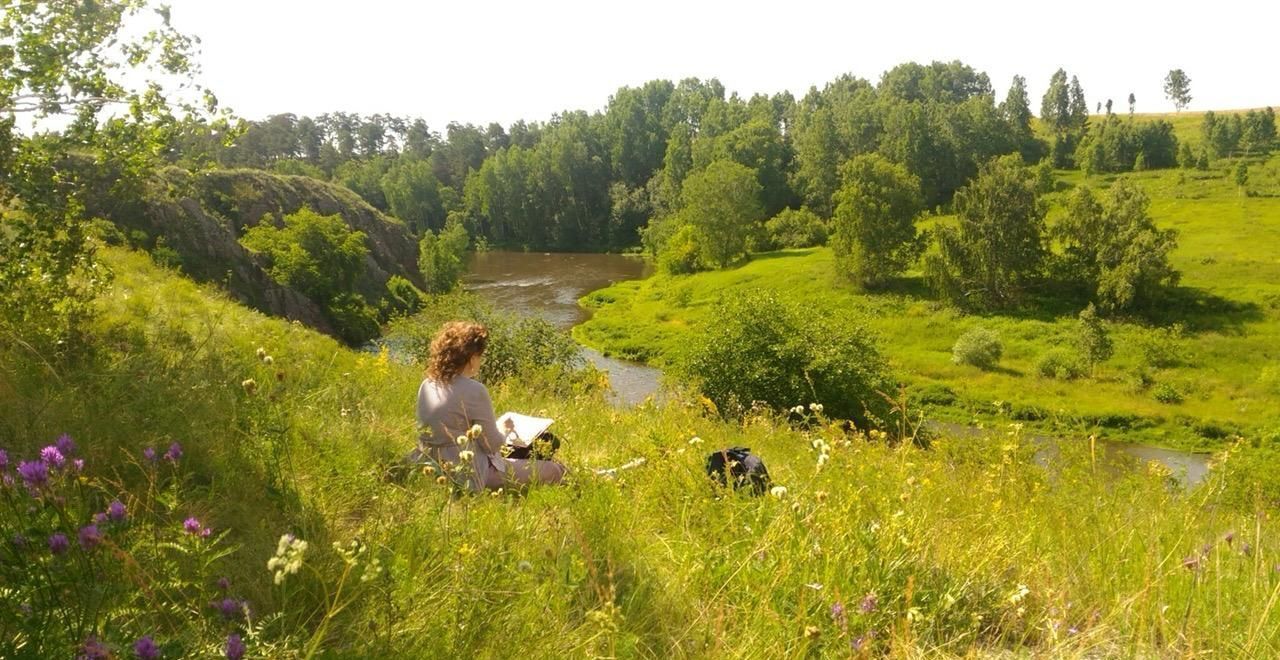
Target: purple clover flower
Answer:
[[174, 453], [224, 584], [34, 473], [93, 650], [868, 604], [90, 537], [51, 456], [116, 511], [78, 464], [4, 459], [65, 444], [149, 453], [58, 543], [6, 480], [235, 647], [99, 518], [230, 608], [192, 526], [19, 542], [145, 648]]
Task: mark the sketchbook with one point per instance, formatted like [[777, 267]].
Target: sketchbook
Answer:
[[521, 430]]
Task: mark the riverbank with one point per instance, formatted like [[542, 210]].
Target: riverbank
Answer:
[[1218, 379]]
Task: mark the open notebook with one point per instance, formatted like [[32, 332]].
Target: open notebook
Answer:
[[522, 430]]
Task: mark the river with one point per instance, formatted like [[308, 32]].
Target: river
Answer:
[[548, 285]]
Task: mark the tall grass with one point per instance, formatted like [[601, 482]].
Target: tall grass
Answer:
[[970, 547]]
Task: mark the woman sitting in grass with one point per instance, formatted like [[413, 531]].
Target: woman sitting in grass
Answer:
[[451, 402]]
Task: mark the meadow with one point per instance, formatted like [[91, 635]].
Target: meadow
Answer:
[[1223, 369], [865, 549]]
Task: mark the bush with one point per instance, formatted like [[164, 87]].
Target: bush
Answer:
[[759, 347], [796, 228], [1162, 348], [402, 297], [355, 321], [681, 254], [1059, 363], [979, 347], [319, 255], [1166, 393]]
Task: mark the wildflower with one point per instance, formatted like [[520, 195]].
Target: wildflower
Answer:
[[65, 444], [695, 440], [816, 407], [6, 480], [799, 410], [837, 613], [288, 557], [34, 473], [192, 526], [4, 459], [1246, 549], [1191, 563], [116, 511], [224, 584], [442, 480], [230, 608], [58, 543], [778, 492], [466, 455], [524, 566], [462, 441], [262, 353], [235, 647], [250, 386], [1230, 537], [174, 453], [145, 648], [812, 632], [868, 604], [92, 649], [149, 454], [78, 464], [52, 457], [475, 431], [90, 537], [268, 360], [1018, 594]]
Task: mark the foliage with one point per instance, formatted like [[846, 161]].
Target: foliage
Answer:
[[1092, 339], [1177, 88], [64, 63], [413, 195], [442, 257], [364, 177], [978, 346], [1059, 363], [355, 320], [723, 203], [402, 297], [877, 205], [796, 228], [768, 349], [1163, 348], [319, 255], [1116, 250], [1166, 393], [682, 253], [998, 246], [1118, 146]]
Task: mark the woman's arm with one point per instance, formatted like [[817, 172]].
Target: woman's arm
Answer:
[[480, 411]]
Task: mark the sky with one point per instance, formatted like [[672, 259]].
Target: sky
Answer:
[[480, 62]]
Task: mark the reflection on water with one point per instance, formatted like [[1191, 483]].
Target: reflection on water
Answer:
[[548, 286]]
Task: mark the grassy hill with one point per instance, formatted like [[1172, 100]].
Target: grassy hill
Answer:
[[971, 547], [1228, 375]]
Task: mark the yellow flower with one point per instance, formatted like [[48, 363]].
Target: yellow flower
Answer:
[[475, 431], [466, 455], [462, 441]]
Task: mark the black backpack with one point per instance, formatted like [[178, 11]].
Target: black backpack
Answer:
[[747, 469]]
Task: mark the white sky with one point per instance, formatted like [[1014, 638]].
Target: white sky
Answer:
[[475, 61]]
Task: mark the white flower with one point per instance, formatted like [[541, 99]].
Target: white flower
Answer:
[[815, 407], [778, 492], [695, 440], [267, 359], [475, 431], [466, 455], [462, 441], [799, 410]]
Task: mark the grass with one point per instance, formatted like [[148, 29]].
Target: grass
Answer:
[[968, 549], [1229, 300]]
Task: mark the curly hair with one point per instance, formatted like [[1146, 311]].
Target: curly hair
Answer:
[[453, 347]]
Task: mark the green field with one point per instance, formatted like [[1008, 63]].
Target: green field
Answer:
[[1229, 300], [971, 548]]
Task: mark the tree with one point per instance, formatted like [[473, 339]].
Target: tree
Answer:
[[817, 161], [1055, 106], [1115, 249], [1241, 175], [413, 194], [1133, 102], [723, 203], [67, 62], [1016, 111], [1108, 107], [1092, 339], [1078, 109], [876, 207], [1177, 88], [319, 255], [997, 248], [442, 256], [796, 228]]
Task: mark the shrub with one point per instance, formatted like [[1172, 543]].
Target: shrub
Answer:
[[1162, 348], [796, 228], [681, 254], [355, 321], [759, 347], [319, 255], [979, 347], [1059, 363], [1166, 393], [402, 297], [442, 257]]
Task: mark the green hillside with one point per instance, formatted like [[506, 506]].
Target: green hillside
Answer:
[[1229, 301], [879, 550]]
